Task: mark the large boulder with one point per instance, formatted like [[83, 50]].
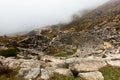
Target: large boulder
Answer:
[[90, 65], [112, 57], [29, 70], [115, 63], [29, 73], [91, 75]]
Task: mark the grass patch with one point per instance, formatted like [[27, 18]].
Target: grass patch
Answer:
[[50, 35], [62, 50], [66, 53], [10, 76], [61, 77], [10, 52], [111, 73], [5, 39]]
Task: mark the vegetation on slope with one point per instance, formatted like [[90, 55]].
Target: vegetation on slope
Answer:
[[61, 77], [111, 73], [10, 52], [5, 39], [97, 17], [11, 75]]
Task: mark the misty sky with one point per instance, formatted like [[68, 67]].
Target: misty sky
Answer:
[[21, 15]]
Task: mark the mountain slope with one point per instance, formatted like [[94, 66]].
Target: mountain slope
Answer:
[[96, 18], [95, 31], [85, 35], [103, 14]]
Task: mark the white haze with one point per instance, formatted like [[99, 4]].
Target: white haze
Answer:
[[24, 15]]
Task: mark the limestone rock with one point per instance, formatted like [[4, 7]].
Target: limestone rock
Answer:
[[115, 63], [72, 60], [46, 74], [29, 73], [62, 71], [54, 62], [91, 75], [29, 70], [1, 65], [29, 63], [91, 65], [112, 56], [11, 63]]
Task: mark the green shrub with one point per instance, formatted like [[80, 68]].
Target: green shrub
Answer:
[[10, 52]]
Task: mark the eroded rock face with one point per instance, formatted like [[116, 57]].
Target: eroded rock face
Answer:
[[91, 75], [37, 41]]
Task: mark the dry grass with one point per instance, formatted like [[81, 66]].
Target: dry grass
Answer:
[[5, 39], [111, 73]]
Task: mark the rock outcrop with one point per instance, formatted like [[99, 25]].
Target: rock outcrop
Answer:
[[45, 68]]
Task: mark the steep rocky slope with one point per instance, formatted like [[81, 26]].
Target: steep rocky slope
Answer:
[[86, 35]]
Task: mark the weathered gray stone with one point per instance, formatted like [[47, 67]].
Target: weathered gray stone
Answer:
[[112, 56], [115, 63], [62, 71], [29, 70], [91, 65], [72, 60], [46, 74], [29, 73], [91, 75]]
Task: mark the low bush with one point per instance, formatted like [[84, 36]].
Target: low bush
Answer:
[[10, 52]]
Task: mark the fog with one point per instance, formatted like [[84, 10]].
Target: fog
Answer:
[[24, 15]]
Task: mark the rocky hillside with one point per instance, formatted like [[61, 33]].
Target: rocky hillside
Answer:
[[85, 49]]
